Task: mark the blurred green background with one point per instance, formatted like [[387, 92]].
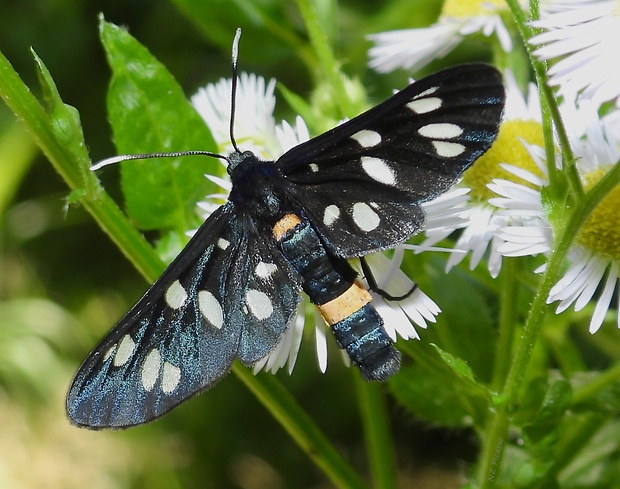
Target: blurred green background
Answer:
[[63, 284]]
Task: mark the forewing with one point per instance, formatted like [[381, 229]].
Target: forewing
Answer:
[[184, 333], [362, 183]]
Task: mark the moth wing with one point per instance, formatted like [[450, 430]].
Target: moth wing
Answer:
[[184, 333], [362, 183]]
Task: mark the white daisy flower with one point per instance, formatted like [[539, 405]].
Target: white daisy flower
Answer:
[[594, 257], [480, 220], [256, 130], [582, 38], [255, 126], [414, 48]]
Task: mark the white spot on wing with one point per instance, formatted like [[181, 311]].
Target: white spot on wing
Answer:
[[211, 309], [170, 378], [428, 91], [425, 105], [314, 167], [150, 369], [265, 270], [367, 138], [448, 150], [259, 304], [175, 295], [222, 244], [109, 353], [379, 170], [124, 351], [442, 130], [331, 214], [365, 218]]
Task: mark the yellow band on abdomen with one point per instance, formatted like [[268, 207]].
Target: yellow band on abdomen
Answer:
[[350, 301], [286, 223]]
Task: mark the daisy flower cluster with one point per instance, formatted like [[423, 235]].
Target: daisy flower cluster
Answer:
[[594, 256], [509, 212], [459, 19], [580, 38], [256, 130]]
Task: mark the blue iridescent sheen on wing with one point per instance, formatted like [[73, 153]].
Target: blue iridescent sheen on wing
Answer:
[[234, 289]]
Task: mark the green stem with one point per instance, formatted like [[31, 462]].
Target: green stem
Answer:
[[496, 434], [507, 322], [103, 209], [330, 68], [298, 424], [549, 103], [498, 427], [379, 443]]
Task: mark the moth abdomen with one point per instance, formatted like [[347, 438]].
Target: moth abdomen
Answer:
[[343, 303], [363, 337]]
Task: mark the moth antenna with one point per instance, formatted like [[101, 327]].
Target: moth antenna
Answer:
[[233, 95], [233, 99], [117, 159]]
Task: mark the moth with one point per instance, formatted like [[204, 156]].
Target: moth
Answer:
[[291, 225]]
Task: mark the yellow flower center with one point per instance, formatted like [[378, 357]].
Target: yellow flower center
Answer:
[[601, 231], [507, 148], [471, 8]]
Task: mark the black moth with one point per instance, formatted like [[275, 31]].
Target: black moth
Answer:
[[288, 226]]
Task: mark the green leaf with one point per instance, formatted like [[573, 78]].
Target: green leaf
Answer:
[[150, 113], [72, 164], [544, 425], [457, 365], [440, 388], [597, 391], [64, 120], [597, 466]]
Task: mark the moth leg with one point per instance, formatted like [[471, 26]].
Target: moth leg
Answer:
[[372, 284]]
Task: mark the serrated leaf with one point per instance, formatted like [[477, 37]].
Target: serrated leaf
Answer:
[[457, 365], [64, 119], [440, 388], [150, 113], [438, 397]]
